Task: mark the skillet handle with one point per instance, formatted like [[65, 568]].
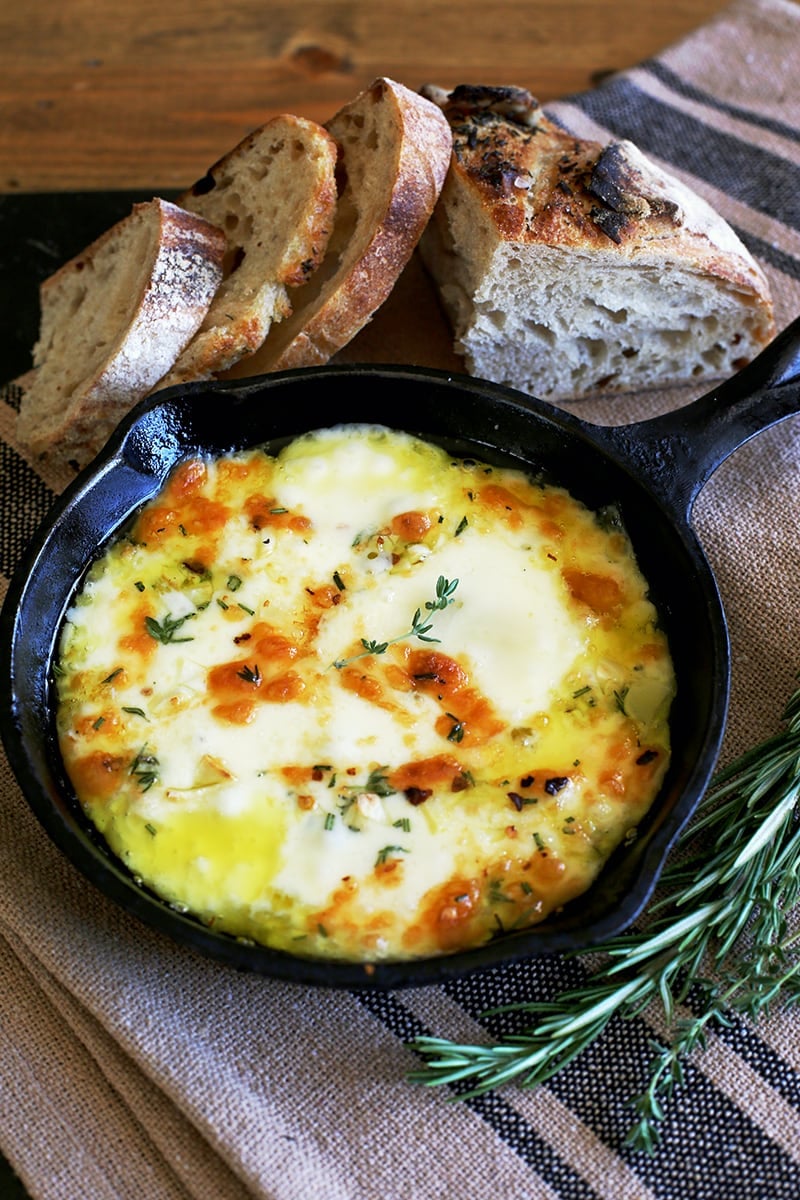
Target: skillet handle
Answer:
[[678, 451]]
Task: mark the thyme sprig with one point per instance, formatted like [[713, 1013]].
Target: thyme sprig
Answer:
[[164, 631], [420, 625], [716, 944]]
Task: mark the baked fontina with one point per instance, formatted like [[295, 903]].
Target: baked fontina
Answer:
[[362, 699]]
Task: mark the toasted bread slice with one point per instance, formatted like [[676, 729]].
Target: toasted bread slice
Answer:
[[394, 150], [568, 267], [275, 196], [113, 320]]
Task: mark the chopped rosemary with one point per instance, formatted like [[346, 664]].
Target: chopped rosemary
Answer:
[[496, 894], [719, 930], [250, 674], [164, 631], [135, 712], [145, 769], [389, 851], [420, 626], [377, 783], [456, 733]]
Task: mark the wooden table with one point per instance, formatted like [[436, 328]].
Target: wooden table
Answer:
[[107, 93]]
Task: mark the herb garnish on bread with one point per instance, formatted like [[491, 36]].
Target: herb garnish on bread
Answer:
[[394, 152], [113, 320], [568, 267]]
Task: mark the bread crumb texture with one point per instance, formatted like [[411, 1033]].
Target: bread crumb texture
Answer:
[[394, 149], [275, 258], [568, 267], [113, 319], [274, 196]]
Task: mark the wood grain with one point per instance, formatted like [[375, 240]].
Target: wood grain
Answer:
[[108, 93]]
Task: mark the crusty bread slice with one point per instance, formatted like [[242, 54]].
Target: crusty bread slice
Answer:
[[113, 319], [567, 267], [394, 150], [275, 196]]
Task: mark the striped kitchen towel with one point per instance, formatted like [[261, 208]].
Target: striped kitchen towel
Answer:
[[131, 1068]]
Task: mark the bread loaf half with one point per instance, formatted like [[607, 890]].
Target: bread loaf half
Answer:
[[274, 195], [112, 321], [394, 151], [567, 267]]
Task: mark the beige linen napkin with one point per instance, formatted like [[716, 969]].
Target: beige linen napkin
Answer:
[[134, 1068]]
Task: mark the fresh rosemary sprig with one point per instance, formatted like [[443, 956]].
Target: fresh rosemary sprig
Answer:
[[715, 944], [420, 626]]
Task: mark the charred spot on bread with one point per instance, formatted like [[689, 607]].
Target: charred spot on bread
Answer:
[[483, 102], [610, 222], [619, 185], [205, 185], [569, 266]]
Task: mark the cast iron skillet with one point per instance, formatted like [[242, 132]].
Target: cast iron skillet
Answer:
[[652, 471]]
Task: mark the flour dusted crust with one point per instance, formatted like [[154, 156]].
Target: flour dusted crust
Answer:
[[275, 196], [394, 151], [113, 319], [567, 266]]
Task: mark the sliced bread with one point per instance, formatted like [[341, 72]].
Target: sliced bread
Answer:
[[275, 196], [113, 320], [394, 151], [568, 267]]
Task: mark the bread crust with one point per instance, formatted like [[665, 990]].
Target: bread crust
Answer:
[[394, 152], [275, 195], [517, 179], [113, 319]]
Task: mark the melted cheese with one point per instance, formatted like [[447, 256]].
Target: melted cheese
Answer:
[[362, 700]]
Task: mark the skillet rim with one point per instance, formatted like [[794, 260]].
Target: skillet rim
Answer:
[[124, 453]]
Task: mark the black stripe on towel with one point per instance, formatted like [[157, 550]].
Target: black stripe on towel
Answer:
[[659, 71], [24, 501], [754, 177], [769, 254], [493, 1108], [598, 1085], [745, 1041]]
